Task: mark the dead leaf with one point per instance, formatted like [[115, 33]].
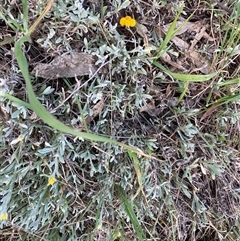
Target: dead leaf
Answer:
[[210, 111], [3, 114], [142, 31], [190, 26], [148, 107], [96, 110], [166, 58], [76, 64]]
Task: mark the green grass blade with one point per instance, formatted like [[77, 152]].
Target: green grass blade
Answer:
[[170, 33], [229, 82], [39, 108], [138, 171], [8, 22], [7, 41], [137, 227], [18, 101], [98, 224], [228, 99], [185, 77], [25, 16]]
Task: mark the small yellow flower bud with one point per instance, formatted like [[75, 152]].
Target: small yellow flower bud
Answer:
[[3, 216], [51, 181]]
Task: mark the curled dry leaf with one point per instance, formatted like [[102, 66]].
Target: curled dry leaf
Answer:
[[143, 31], [75, 64]]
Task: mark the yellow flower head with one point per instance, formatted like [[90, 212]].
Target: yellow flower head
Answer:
[[51, 181], [98, 227], [3, 216], [128, 22], [20, 138]]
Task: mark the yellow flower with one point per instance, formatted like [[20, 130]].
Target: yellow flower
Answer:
[[128, 22], [20, 138], [51, 180], [3, 216], [98, 227]]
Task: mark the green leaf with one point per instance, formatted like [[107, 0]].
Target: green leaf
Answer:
[[137, 227], [185, 77], [138, 171], [170, 33], [25, 16]]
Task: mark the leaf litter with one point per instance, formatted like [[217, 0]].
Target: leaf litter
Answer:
[[189, 56]]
